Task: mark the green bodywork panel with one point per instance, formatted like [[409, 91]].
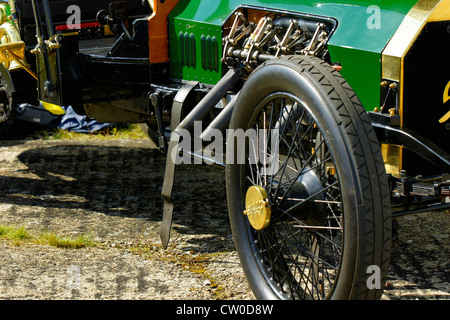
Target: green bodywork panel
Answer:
[[362, 33], [5, 12], [195, 51]]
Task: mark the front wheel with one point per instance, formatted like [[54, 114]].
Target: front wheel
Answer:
[[307, 192]]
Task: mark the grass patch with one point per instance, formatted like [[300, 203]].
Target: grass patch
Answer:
[[55, 240], [19, 235], [14, 233], [132, 131]]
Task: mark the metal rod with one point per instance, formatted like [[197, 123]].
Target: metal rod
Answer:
[[222, 120], [213, 97], [37, 18], [256, 55], [48, 86], [411, 140], [48, 18], [421, 210], [202, 157], [20, 62]]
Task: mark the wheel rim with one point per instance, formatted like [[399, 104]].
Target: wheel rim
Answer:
[[299, 252]]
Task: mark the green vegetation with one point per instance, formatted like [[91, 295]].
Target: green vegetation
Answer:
[[55, 240], [13, 233], [121, 132], [195, 263], [19, 235]]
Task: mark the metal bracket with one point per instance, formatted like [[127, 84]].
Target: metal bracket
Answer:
[[169, 175], [162, 141], [199, 112], [412, 141]]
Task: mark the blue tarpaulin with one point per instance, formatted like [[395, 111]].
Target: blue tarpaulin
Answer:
[[37, 115], [70, 121]]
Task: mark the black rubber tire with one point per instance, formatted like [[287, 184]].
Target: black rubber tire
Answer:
[[355, 151]]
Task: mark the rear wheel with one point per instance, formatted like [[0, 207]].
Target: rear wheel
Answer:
[[6, 100], [310, 214]]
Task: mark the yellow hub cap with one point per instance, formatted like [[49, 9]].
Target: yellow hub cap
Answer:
[[257, 206]]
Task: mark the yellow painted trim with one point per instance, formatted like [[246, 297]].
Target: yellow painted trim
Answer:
[[65, 34], [17, 48], [392, 156], [407, 33], [53, 108], [446, 99], [447, 93], [394, 54], [441, 12], [107, 31]]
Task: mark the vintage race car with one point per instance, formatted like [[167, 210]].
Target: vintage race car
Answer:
[[330, 117]]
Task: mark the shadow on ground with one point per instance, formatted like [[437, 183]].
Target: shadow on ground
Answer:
[[63, 180]]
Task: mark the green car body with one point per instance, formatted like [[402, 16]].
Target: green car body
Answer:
[[364, 28], [369, 42]]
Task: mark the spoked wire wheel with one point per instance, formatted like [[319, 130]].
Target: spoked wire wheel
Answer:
[[305, 232], [307, 192]]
